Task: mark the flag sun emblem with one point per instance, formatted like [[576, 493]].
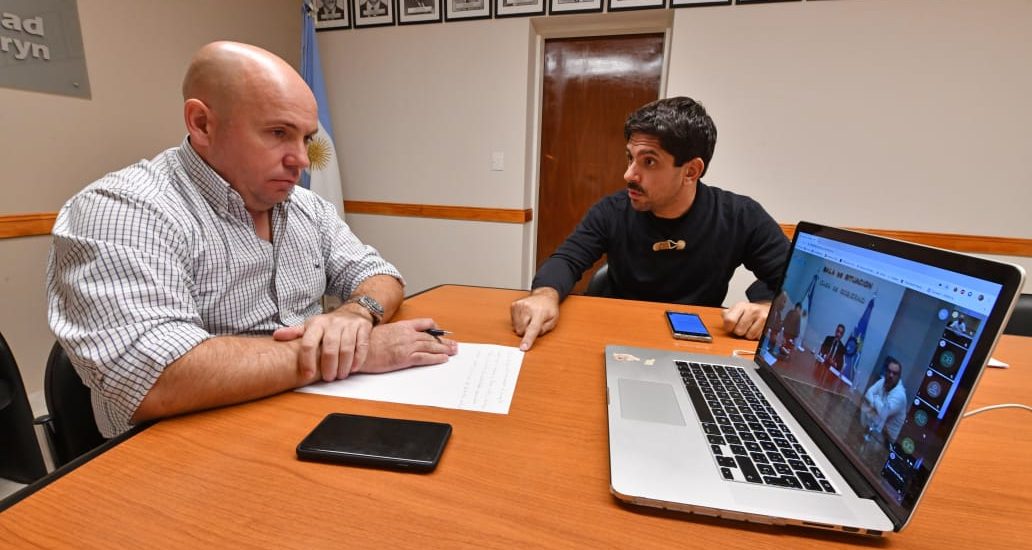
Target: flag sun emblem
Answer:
[[319, 152]]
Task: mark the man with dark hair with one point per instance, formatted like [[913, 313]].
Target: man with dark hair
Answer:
[[668, 236], [884, 407], [832, 353]]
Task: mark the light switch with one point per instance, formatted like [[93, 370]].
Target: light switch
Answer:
[[497, 161]]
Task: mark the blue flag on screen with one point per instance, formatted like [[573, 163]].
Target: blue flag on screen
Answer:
[[855, 344], [323, 176]]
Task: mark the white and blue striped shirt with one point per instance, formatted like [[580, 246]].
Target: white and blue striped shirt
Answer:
[[152, 260]]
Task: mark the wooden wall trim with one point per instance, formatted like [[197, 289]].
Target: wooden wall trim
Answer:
[[38, 224], [26, 225], [977, 244], [465, 213]]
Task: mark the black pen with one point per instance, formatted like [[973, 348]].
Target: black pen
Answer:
[[437, 333]]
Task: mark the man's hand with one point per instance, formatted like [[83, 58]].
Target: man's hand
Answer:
[[333, 345], [746, 319], [403, 344], [535, 314]]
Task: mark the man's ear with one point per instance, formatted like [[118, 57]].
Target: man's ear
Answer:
[[693, 170], [199, 122]]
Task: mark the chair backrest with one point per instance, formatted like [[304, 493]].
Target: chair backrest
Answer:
[[72, 428], [599, 284], [20, 456], [1020, 323]]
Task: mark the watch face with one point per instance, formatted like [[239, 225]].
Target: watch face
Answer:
[[371, 304]]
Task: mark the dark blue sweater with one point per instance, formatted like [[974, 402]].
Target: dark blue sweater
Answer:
[[721, 231]]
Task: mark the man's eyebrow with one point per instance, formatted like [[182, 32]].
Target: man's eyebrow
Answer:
[[284, 123], [292, 126], [641, 152]]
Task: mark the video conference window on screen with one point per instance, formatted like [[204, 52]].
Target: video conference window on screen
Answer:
[[874, 345]]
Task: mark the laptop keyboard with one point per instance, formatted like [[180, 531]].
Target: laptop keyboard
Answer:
[[747, 437]]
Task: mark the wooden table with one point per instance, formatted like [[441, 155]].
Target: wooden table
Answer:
[[537, 477]]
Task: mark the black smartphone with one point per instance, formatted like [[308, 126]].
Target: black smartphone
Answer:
[[687, 326], [378, 442]]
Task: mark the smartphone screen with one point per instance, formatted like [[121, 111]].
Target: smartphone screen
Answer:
[[377, 442], [688, 326]]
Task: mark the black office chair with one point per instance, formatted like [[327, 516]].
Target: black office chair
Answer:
[[20, 456], [599, 284], [70, 425], [1020, 323]]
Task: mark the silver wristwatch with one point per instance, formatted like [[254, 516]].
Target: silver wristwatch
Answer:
[[372, 306]]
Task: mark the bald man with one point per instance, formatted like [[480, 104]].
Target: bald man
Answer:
[[194, 280]]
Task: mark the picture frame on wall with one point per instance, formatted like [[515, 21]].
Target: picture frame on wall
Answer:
[[373, 13], [519, 8], [418, 11], [697, 3], [332, 14], [573, 6], [620, 5], [464, 10]]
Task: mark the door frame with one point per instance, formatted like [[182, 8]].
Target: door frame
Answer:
[[573, 26]]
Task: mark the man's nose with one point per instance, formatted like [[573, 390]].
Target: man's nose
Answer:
[[631, 174], [299, 157]]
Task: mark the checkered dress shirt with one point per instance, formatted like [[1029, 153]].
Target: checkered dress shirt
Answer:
[[154, 259]]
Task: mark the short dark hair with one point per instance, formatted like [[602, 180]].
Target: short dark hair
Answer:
[[890, 360], [841, 326], [682, 126]]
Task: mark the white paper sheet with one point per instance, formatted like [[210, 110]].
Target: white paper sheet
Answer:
[[481, 377]]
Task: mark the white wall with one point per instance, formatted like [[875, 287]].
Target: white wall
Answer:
[[869, 113], [877, 113], [417, 112], [52, 146]]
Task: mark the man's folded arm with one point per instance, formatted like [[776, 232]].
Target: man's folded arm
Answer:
[[222, 371]]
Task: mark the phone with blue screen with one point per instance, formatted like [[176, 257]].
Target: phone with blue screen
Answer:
[[688, 326]]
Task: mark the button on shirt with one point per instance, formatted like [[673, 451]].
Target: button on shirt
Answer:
[[152, 260]]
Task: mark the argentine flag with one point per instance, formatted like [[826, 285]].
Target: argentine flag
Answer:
[[323, 176]]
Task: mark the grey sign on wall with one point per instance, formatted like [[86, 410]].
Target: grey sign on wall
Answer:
[[41, 47]]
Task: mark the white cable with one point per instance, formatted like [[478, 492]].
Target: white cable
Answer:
[[1000, 406]]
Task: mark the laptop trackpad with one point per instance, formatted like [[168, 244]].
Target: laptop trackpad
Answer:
[[649, 401]]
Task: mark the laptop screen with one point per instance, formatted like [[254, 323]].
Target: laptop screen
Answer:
[[881, 350]]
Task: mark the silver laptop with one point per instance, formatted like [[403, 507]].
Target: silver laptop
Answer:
[[870, 353]]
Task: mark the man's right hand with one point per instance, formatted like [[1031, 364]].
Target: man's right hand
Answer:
[[403, 344], [535, 314]]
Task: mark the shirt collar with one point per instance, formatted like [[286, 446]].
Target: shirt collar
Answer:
[[216, 190]]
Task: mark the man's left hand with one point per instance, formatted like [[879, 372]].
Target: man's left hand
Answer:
[[746, 319], [335, 343]]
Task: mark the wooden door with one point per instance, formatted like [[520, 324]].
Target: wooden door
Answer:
[[590, 86]]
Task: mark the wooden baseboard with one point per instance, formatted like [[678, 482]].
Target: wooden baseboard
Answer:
[[38, 224]]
